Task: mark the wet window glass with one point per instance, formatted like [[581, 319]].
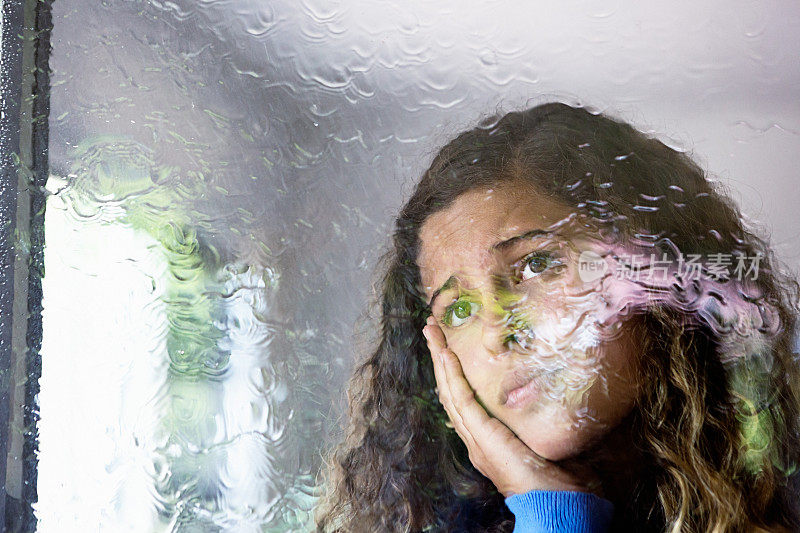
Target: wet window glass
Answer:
[[368, 266]]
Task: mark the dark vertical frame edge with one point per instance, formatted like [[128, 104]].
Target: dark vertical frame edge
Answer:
[[25, 87], [10, 87]]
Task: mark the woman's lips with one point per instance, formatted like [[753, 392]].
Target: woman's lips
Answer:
[[518, 386], [523, 395]]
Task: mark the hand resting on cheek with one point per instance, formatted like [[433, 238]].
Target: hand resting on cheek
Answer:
[[494, 450]]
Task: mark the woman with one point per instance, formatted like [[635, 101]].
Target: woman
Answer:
[[547, 359]]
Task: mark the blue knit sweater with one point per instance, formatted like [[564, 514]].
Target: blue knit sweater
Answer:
[[546, 511]]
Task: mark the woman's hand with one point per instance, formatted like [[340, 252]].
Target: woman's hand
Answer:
[[493, 448]]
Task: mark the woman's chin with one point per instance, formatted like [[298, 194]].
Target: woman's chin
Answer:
[[554, 450], [561, 440]]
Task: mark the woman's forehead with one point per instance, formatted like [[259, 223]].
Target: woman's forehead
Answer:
[[489, 215]]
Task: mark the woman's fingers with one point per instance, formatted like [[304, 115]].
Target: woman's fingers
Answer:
[[455, 393], [435, 347], [462, 397]]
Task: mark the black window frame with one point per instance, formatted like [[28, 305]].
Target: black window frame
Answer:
[[25, 104]]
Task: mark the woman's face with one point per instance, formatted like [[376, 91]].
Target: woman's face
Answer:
[[502, 266]]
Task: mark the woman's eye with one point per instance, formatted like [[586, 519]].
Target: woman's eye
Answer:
[[458, 313], [536, 263]]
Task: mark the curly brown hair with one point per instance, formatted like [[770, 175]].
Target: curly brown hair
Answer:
[[720, 434]]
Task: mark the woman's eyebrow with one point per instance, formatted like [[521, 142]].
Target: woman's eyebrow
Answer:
[[502, 246], [446, 285]]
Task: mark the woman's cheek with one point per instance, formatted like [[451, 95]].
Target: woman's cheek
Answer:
[[465, 342], [474, 360]]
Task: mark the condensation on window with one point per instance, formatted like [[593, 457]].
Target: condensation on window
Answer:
[[223, 179]]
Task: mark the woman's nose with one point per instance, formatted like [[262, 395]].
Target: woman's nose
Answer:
[[495, 338], [497, 335]]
